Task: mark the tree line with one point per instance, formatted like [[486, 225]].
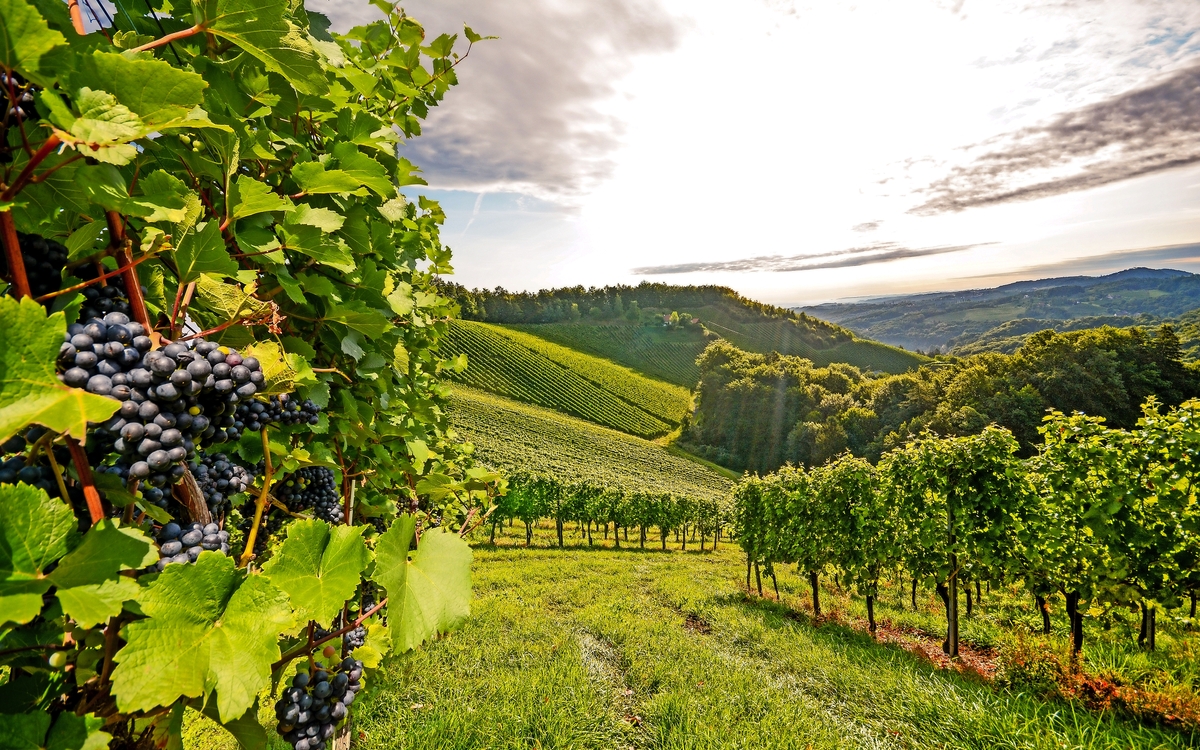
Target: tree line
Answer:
[[1107, 517], [622, 301], [595, 508], [758, 412]]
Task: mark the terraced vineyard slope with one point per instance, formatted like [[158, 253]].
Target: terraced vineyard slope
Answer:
[[537, 371], [654, 350], [511, 435]]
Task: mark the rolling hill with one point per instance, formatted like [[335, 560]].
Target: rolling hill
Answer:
[[954, 319], [538, 371], [626, 324], [510, 435]]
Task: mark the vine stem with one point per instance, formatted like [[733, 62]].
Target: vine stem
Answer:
[[174, 36], [76, 17], [84, 469], [98, 279], [58, 475], [133, 285], [312, 646], [12, 254], [38, 157], [261, 504]]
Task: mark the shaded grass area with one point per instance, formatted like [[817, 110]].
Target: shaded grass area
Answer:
[[597, 648]]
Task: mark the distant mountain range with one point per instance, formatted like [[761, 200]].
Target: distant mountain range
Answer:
[[998, 318]]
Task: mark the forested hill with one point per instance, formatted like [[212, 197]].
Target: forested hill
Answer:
[[946, 320], [759, 412], [617, 322]]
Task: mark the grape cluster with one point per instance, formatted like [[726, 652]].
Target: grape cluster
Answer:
[[219, 478], [311, 487], [149, 493], [178, 544], [44, 261], [356, 638], [310, 709], [14, 470], [171, 398], [280, 410], [107, 297], [271, 524], [22, 109]]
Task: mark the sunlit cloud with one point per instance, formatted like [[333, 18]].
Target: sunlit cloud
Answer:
[[880, 252], [1147, 130]]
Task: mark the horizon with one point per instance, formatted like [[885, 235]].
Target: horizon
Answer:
[[860, 150]]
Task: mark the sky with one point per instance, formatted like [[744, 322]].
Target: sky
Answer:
[[802, 152]]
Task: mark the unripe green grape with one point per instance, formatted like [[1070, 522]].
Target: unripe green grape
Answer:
[[185, 139], [58, 659], [94, 639]]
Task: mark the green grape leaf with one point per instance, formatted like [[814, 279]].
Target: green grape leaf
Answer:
[[23, 731], [24, 38], [249, 197], [314, 179], [70, 732], [259, 27], [159, 93], [429, 593], [367, 322], [321, 218], [363, 168], [87, 581], [30, 392], [319, 567], [103, 129], [35, 531], [165, 198], [209, 627], [318, 245], [82, 241], [203, 252]]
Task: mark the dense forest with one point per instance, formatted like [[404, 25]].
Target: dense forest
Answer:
[[568, 304], [758, 412]]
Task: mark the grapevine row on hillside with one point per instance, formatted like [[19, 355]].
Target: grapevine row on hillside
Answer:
[[665, 401], [518, 437], [670, 355], [532, 497], [1106, 517], [499, 364]]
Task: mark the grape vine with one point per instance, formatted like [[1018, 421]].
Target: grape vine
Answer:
[[222, 380]]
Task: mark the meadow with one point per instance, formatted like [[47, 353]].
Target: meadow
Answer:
[[596, 648]]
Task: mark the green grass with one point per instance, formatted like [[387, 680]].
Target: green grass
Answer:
[[537, 371], [654, 350], [595, 648], [514, 436]]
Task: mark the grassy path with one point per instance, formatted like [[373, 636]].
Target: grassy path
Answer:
[[594, 648], [605, 649]]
